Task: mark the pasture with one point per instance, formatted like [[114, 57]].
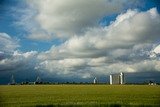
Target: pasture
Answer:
[[79, 95]]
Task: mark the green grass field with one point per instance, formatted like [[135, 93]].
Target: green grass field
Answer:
[[79, 95]]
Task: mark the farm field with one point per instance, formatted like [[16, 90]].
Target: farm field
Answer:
[[79, 95]]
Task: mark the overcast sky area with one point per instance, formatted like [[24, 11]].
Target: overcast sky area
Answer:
[[77, 40]]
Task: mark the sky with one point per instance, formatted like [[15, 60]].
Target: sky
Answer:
[[77, 40]]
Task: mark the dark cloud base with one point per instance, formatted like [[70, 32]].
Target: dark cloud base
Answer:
[[138, 77], [141, 77]]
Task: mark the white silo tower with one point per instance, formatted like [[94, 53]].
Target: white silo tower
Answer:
[[117, 78], [95, 80], [121, 78], [110, 79]]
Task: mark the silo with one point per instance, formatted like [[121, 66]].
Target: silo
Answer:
[[95, 80], [117, 78], [121, 78], [110, 79]]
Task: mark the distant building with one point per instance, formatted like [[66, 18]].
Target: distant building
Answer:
[[117, 78], [12, 81], [152, 83], [95, 80], [38, 80]]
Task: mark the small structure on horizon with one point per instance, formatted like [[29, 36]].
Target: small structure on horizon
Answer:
[[95, 80], [38, 80], [12, 80], [117, 78], [152, 83]]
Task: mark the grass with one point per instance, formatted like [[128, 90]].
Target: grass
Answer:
[[79, 95]]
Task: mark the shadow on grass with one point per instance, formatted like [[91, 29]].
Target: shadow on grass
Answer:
[[99, 105], [112, 105]]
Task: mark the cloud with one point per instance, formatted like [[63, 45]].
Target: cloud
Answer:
[[157, 49], [7, 44], [70, 17], [40, 35], [13, 61], [123, 46], [136, 32], [10, 58], [18, 61], [155, 52], [64, 19]]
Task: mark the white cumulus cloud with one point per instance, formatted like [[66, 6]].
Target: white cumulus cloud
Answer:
[[63, 19], [123, 46], [7, 44]]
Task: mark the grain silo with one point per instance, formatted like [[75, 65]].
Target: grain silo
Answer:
[[117, 78]]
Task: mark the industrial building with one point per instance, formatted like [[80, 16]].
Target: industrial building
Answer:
[[38, 80], [95, 80], [12, 81], [117, 78]]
